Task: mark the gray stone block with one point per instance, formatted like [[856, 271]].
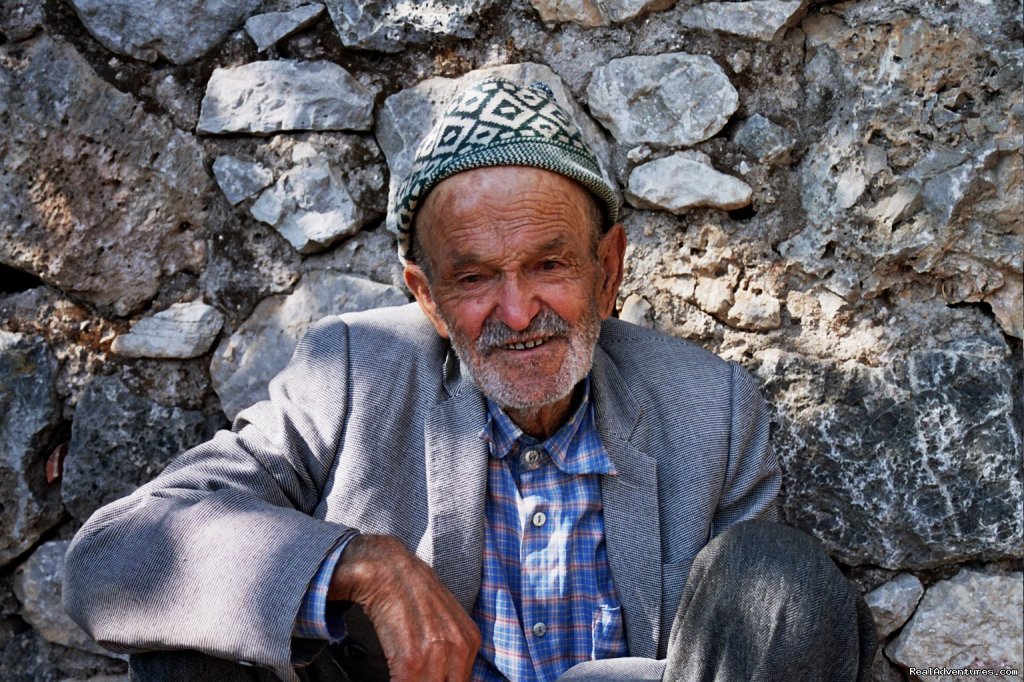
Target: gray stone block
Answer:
[[120, 440], [30, 413]]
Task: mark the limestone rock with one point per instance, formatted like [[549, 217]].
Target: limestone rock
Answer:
[[636, 309], [310, 205], [371, 253], [932, 194], [119, 441], [245, 363], [760, 19], [683, 181], [26, 657], [893, 603], [407, 116], [38, 586], [20, 18], [247, 264], [388, 25], [97, 197], [673, 99], [754, 311], [180, 31], [267, 97], [185, 330], [267, 29], [30, 413], [593, 13], [767, 141], [971, 620], [909, 463], [240, 179]]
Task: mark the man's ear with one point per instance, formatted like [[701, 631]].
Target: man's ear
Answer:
[[611, 251], [418, 284]]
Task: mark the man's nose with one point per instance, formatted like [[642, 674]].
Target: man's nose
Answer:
[[517, 304]]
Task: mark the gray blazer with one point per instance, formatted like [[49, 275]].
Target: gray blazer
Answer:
[[374, 426]]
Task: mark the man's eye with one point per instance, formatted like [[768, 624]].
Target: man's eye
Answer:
[[469, 279], [550, 265]]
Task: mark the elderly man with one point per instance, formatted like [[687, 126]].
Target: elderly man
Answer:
[[498, 482]]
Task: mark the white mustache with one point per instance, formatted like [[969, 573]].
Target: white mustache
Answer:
[[497, 334]]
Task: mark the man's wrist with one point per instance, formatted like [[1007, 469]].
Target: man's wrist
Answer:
[[312, 621]]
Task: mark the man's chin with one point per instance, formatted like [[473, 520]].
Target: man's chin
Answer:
[[525, 393]]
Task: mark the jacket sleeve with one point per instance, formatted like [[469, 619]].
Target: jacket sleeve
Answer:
[[216, 553], [753, 476]]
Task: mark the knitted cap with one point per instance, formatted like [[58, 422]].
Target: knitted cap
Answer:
[[498, 123]]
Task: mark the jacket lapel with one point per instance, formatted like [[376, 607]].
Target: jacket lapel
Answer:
[[631, 517], [457, 484]]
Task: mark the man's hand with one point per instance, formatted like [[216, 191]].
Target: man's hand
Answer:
[[425, 633]]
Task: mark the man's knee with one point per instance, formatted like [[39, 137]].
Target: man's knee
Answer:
[[765, 595], [771, 560]]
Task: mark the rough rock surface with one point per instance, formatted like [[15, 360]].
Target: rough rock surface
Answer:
[[372, 254], [922, 456], [893, 603], [266, 97], [185, 330], [180, 31], [26, 657], [388, 25], [37, 585], [86, 205], [683, 181], [766, 141], [30, 414], [245, 363], [20, 18], [972, 620], [408, 116], [674, 99], [761, 19], [267, 29], [310, 204], [120, 440], [240, 179], [945, 209], [594, 13]]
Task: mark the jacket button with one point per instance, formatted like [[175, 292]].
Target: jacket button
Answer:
[[539, 519], [539, 629]]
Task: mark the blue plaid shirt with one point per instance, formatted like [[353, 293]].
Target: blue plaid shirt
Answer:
[[546, 598]]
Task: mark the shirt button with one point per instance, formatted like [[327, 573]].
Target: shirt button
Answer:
[[532, 456], [539, 519], [539, 629]]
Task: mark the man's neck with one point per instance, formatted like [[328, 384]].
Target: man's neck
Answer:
[[541, 422]]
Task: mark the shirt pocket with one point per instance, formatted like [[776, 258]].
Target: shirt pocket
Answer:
[[607, 640]]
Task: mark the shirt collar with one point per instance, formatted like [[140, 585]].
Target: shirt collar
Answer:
[[575, 447]]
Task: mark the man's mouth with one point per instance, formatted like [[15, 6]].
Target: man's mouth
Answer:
[[526, 345]]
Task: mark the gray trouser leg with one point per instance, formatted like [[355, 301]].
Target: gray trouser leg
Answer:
[[193, 666], [763, 603]]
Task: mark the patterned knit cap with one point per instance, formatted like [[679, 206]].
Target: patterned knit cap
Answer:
[[498, 123]]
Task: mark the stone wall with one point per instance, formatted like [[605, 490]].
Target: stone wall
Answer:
[[829, 194]]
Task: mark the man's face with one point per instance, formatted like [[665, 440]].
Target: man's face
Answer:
[[517, 283]]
